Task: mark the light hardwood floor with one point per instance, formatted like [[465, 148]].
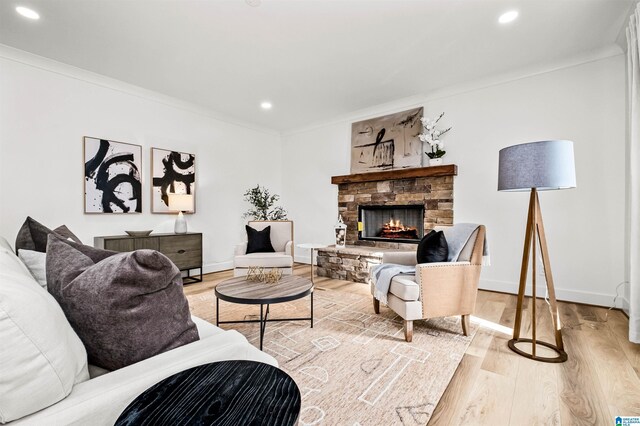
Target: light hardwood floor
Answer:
[[494, 386]]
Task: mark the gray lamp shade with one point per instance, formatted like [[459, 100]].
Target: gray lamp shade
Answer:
[[543, 165]]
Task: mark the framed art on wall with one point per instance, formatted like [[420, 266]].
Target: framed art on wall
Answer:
[[112, 176], [387, 142], [172, 172]]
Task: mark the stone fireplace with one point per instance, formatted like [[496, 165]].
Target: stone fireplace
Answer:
[[427, 188], [386, 211]]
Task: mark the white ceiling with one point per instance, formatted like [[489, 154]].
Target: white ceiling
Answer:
[[313, 59]]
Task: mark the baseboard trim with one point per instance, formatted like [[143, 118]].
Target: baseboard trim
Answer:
[[623, 304], [302, 259], [564, 295], [508, 287], [217, 267]]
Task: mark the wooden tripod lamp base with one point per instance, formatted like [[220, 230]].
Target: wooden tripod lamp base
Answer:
[[535, 231], [543, 165]]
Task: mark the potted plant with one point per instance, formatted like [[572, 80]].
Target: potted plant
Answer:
[[431, 135], [262, 201]]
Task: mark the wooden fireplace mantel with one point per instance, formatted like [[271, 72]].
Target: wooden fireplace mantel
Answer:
[[444, 170]]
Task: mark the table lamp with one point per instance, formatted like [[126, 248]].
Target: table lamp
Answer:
[[537, 166], [181, 203]]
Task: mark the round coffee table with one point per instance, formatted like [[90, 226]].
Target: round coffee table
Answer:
[[220, 393], [240, 290]]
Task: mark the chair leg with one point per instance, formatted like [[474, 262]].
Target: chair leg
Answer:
[[376, 305], [408, 331], [465, 325]]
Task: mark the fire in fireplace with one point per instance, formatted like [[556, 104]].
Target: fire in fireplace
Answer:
[[397, 223], [396, 229]]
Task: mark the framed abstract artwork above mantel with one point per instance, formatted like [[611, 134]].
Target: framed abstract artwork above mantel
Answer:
[[112, 176], [172, 172], [387, 142]]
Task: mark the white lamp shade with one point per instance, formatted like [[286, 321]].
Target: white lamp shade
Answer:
[[181, 202], [543, 165]]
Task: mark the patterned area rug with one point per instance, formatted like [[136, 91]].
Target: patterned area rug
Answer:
[[353, 367]]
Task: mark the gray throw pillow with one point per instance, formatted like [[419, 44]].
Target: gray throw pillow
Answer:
[[126, 307], [33, 235]]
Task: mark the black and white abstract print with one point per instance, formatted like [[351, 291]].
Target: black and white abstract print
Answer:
[[112, 175], [172, 173], [388, 142]]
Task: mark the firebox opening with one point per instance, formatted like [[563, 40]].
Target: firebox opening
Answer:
[[399, 223]]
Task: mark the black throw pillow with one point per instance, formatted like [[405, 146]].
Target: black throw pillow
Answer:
[[433, 248], [259, 241], [33, 235]]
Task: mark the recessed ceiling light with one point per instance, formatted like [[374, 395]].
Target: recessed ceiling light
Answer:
[[266, 105], [27, 13], [507, 17]]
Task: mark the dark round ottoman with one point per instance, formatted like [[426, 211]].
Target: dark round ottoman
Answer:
[[222, 393]]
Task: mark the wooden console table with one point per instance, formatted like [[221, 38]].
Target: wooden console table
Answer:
[[184, 250]]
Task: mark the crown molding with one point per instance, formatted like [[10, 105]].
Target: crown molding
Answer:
[[70, 71], [362, 114], [458, 89], [621, 40], [584, 58], [56, 67]]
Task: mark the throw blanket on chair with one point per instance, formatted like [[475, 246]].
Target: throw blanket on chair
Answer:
[[457, 237], [382, 274]]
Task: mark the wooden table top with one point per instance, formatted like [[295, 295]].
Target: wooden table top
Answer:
[[221, 393], [239, 290]]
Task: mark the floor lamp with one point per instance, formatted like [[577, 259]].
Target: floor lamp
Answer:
[[537, 166]]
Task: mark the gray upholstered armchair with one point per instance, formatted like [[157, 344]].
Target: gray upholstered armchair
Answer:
[[282, 242], [437, 289]]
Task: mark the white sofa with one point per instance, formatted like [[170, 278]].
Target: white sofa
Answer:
[[100, 398]]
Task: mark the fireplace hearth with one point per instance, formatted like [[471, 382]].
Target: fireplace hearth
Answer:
[[394, 223]]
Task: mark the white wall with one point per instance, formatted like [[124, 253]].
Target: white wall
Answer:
[[585, 226], [45, 110]]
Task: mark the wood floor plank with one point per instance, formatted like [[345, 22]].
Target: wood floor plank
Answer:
[[619, 324], [449, 409], [489, 402], [489, 311], [619, 382], [569, 315], [499, 358], [536, 386], [582, 400]]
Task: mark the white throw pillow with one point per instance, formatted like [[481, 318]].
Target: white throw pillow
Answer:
[[4, 245], [41, 357], [36, 262]]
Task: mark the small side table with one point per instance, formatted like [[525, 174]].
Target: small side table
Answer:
[[221, 393], [312, 247]]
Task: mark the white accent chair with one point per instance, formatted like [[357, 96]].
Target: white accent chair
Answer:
[[437, 289], [282, 242]]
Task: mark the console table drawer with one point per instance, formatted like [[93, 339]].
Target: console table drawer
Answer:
[[150, 243], [184, 250], [125, 244]]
